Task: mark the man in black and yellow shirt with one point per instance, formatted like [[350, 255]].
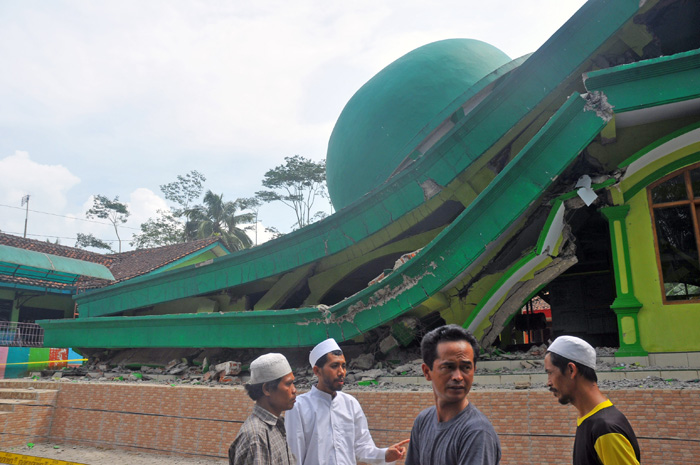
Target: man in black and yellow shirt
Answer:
[[603, 434]]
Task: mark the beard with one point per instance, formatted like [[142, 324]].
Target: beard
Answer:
[[333, 383]]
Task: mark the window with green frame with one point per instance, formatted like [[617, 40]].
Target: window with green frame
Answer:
[[675, 209]]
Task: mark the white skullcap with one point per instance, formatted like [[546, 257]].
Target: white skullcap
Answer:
[[575, 349], [321, 349], [268, 367]]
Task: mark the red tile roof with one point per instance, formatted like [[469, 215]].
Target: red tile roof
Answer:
[[125, 265], [54, 249]]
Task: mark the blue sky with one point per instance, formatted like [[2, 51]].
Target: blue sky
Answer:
[[119, 97]]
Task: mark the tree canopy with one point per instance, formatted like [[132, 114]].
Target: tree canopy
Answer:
[[165, 229], [184, 191], [114, 211], [216, 217], [298, 183], [89, 240]]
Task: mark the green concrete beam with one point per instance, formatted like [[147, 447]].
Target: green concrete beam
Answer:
[[505, 200], [514, 97], [649, 83]]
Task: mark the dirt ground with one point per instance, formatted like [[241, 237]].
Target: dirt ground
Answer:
[[102, 456]]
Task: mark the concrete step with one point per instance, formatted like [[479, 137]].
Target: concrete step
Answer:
[[23, 394], [8, 405]]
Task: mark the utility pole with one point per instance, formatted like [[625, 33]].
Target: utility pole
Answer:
[[25, 199]]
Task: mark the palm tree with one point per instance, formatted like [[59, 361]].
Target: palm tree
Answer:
[[218, 218]]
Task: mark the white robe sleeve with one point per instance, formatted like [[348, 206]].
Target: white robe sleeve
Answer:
[[365, 449]]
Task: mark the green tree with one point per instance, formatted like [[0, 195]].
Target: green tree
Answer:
[[114, 211], [167, 228], [184, 191], [215, 217], [298, 183], [89, 240], [162, 230]]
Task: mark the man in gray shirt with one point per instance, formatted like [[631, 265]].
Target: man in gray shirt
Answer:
[[454, 431]]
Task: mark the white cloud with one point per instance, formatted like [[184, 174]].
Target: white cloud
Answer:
[[144, 204], [125, 95], [47, 186]]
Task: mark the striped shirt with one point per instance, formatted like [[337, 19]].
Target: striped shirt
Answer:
[[262, 440]]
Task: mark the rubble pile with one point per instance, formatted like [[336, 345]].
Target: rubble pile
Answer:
[[380, 370]]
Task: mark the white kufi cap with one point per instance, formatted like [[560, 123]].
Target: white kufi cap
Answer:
[[268, 367], [321, 349], [575, 349]]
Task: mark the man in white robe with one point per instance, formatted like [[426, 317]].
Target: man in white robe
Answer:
[[328, 427]]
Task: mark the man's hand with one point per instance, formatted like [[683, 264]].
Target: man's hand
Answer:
[[396, 452]]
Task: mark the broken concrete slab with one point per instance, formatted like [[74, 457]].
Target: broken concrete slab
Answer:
[[387, 344], [363, 362], [228, 368]]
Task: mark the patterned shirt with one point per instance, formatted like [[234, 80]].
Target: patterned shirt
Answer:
[[261, 441]]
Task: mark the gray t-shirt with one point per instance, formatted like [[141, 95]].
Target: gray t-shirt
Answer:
[[467, 439]]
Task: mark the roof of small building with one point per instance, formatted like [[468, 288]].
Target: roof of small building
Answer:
[[125, 265]]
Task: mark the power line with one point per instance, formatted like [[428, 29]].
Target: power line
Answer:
[[57, 237], [69, 217]]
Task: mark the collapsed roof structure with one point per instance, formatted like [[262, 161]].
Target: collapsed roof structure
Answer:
[[467, 183]]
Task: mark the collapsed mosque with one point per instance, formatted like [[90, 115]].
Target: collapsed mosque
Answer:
[[466, 183]]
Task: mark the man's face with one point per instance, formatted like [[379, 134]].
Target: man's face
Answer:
[[452, 373], [557, 382], [331, 378], [284, 396]]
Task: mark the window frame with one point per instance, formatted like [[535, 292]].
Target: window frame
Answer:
[[690, 200]]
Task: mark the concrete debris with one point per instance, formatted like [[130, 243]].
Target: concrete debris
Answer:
[[387, 344], [177, 369], [363, 362], [171, 364], [228, 368], [531, 364], [413, 368], [369, 374], [537, 350], [371, 368], [405, 330]]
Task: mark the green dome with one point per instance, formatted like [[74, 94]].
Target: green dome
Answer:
[[369, 139]]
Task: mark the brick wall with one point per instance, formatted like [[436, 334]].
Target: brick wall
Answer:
[[532, 426], [25, 422]]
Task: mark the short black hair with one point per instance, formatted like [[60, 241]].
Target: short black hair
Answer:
[[255, 391], [560, 362], [447, 333], [322, 361]]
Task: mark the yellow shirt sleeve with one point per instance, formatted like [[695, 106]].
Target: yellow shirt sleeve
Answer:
[[615, 449]]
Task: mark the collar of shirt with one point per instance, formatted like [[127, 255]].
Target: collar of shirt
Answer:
[[315, 392], [266, 416]]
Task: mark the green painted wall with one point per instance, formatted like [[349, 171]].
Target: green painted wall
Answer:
[[663, 328]]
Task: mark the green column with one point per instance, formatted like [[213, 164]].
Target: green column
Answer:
[[626, 306]]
